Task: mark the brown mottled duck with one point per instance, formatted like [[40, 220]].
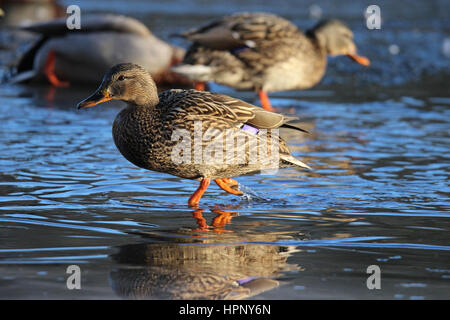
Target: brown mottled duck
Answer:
[[232, 267], [264, 53], [155, 131]]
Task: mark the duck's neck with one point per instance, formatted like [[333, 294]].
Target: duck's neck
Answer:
[[317, 41], [149, 100], [147, 96]]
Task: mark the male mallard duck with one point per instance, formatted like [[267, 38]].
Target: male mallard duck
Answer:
[[264, 53], [147, 132], [64, 56]]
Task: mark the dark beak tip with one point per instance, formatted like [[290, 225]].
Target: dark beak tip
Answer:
[[94, 99]]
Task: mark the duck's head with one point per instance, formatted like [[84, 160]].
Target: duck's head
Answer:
[[127, 82], [337, 39]]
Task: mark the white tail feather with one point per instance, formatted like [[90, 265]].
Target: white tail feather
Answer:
[[23, 76], [295, 161]]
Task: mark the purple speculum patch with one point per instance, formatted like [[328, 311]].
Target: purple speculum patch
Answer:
[[245, 280], [253, 130]]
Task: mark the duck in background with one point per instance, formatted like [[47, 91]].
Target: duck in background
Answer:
[[264, 53], [21, 12], [63, 56]]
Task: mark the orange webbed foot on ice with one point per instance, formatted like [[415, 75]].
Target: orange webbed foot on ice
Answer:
[[228, 184]]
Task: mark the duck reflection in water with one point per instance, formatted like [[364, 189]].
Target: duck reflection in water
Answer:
[[233, 267], [218, 223]]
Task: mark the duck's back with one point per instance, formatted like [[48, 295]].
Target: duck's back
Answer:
[[242, 29]]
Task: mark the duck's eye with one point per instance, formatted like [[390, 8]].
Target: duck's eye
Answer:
[[121, 78]]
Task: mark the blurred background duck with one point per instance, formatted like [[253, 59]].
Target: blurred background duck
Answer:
[[144, 131], [62, 56], [264, 53]]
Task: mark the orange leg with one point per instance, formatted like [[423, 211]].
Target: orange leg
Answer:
[[196, 196], [265, 102], [49, 71], [225, 185], [200, 86]]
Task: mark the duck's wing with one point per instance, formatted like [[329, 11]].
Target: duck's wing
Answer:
[[255, 116], [91, 23], [220, 113], [242, 30], [203, 105], [237, 50], [262, 119]]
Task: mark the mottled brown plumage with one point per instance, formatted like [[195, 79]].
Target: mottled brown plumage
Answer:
[[148, 132], [207, 269], [264, 52]]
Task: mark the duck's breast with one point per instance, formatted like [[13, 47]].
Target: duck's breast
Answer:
[[293, 74]]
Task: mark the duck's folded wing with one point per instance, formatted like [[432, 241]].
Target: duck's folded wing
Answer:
[[242, 29], [216, 35], [218, 114], [256, 116], [201, 105], [91, 23]]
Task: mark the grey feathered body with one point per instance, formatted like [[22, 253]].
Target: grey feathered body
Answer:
[[104, 40]]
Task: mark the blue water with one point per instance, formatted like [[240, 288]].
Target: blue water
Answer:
[[378, 193]]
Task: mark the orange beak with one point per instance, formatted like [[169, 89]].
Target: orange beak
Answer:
[[360, 59], [97, 97]]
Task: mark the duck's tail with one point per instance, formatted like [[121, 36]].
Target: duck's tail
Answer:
[[22, 77], [285, 125], [293, 161], [25, 66]]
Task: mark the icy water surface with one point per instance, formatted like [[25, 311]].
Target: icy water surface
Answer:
[[378, 194]]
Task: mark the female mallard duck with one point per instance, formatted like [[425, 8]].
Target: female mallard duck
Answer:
[[204, 270], [264, 53], [64, 56], [147, 132]]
